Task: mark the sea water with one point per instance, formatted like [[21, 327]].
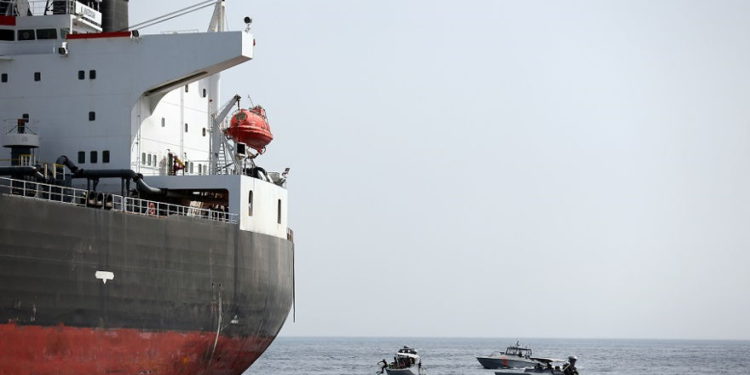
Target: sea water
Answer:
[[344, 356]]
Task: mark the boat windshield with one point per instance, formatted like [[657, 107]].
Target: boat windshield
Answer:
[[407, 350], [518, 351]]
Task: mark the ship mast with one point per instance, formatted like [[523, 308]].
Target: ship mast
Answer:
[[217, 19]]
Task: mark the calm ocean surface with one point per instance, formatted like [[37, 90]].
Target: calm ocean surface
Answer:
[[309, 356]]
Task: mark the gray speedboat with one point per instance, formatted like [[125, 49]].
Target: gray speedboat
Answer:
[[545, 366], [405, 362], [514, 356]]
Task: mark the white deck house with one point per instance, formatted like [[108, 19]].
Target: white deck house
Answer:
[[120, 100]]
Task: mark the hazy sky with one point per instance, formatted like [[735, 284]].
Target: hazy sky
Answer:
[[507, 168]]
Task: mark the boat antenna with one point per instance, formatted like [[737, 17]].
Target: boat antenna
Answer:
[[171, 15]]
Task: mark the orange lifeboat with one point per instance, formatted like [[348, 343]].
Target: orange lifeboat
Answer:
[[250, 126]]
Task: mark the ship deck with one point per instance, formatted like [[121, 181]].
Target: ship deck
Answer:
[[106, 201]]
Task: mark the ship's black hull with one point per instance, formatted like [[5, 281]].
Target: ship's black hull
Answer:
[[188, 296]]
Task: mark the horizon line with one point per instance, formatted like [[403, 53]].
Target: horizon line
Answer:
[[510, 338]]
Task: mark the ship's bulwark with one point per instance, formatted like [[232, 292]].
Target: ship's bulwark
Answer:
[[176, 282]]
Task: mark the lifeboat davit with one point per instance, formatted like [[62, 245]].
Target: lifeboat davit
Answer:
[[250, 126]]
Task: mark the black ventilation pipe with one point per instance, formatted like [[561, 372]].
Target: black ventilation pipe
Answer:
[[76, 172], [143, 187], [22, 171], [64, 160], [96, 174], [126, 174]]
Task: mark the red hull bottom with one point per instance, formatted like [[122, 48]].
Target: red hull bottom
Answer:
[[61, 350]]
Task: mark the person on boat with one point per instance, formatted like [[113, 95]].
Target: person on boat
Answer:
[[382, 364], [570, 367]]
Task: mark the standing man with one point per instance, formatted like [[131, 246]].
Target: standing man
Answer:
[[570, 367]]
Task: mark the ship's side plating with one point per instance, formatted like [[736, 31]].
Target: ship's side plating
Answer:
[[179, 295]]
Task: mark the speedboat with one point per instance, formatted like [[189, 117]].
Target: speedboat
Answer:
[[405, 362], [514, 356], [545, 366]]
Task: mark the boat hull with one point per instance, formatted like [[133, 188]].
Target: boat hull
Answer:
[[505, 362], [402, 371], [91, 291]]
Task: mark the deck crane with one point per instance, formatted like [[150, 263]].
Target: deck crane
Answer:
[[223, 153]]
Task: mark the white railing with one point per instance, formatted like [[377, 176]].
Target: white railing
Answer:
[[38, 7], [105, 201]]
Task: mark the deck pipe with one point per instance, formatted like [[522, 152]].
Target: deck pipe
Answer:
[[126, 174], [96, 174], [22, 171]]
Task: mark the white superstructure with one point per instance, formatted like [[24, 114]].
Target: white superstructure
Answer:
[[120, 100]]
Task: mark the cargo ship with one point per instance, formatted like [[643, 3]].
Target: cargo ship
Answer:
[[138, 234]]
